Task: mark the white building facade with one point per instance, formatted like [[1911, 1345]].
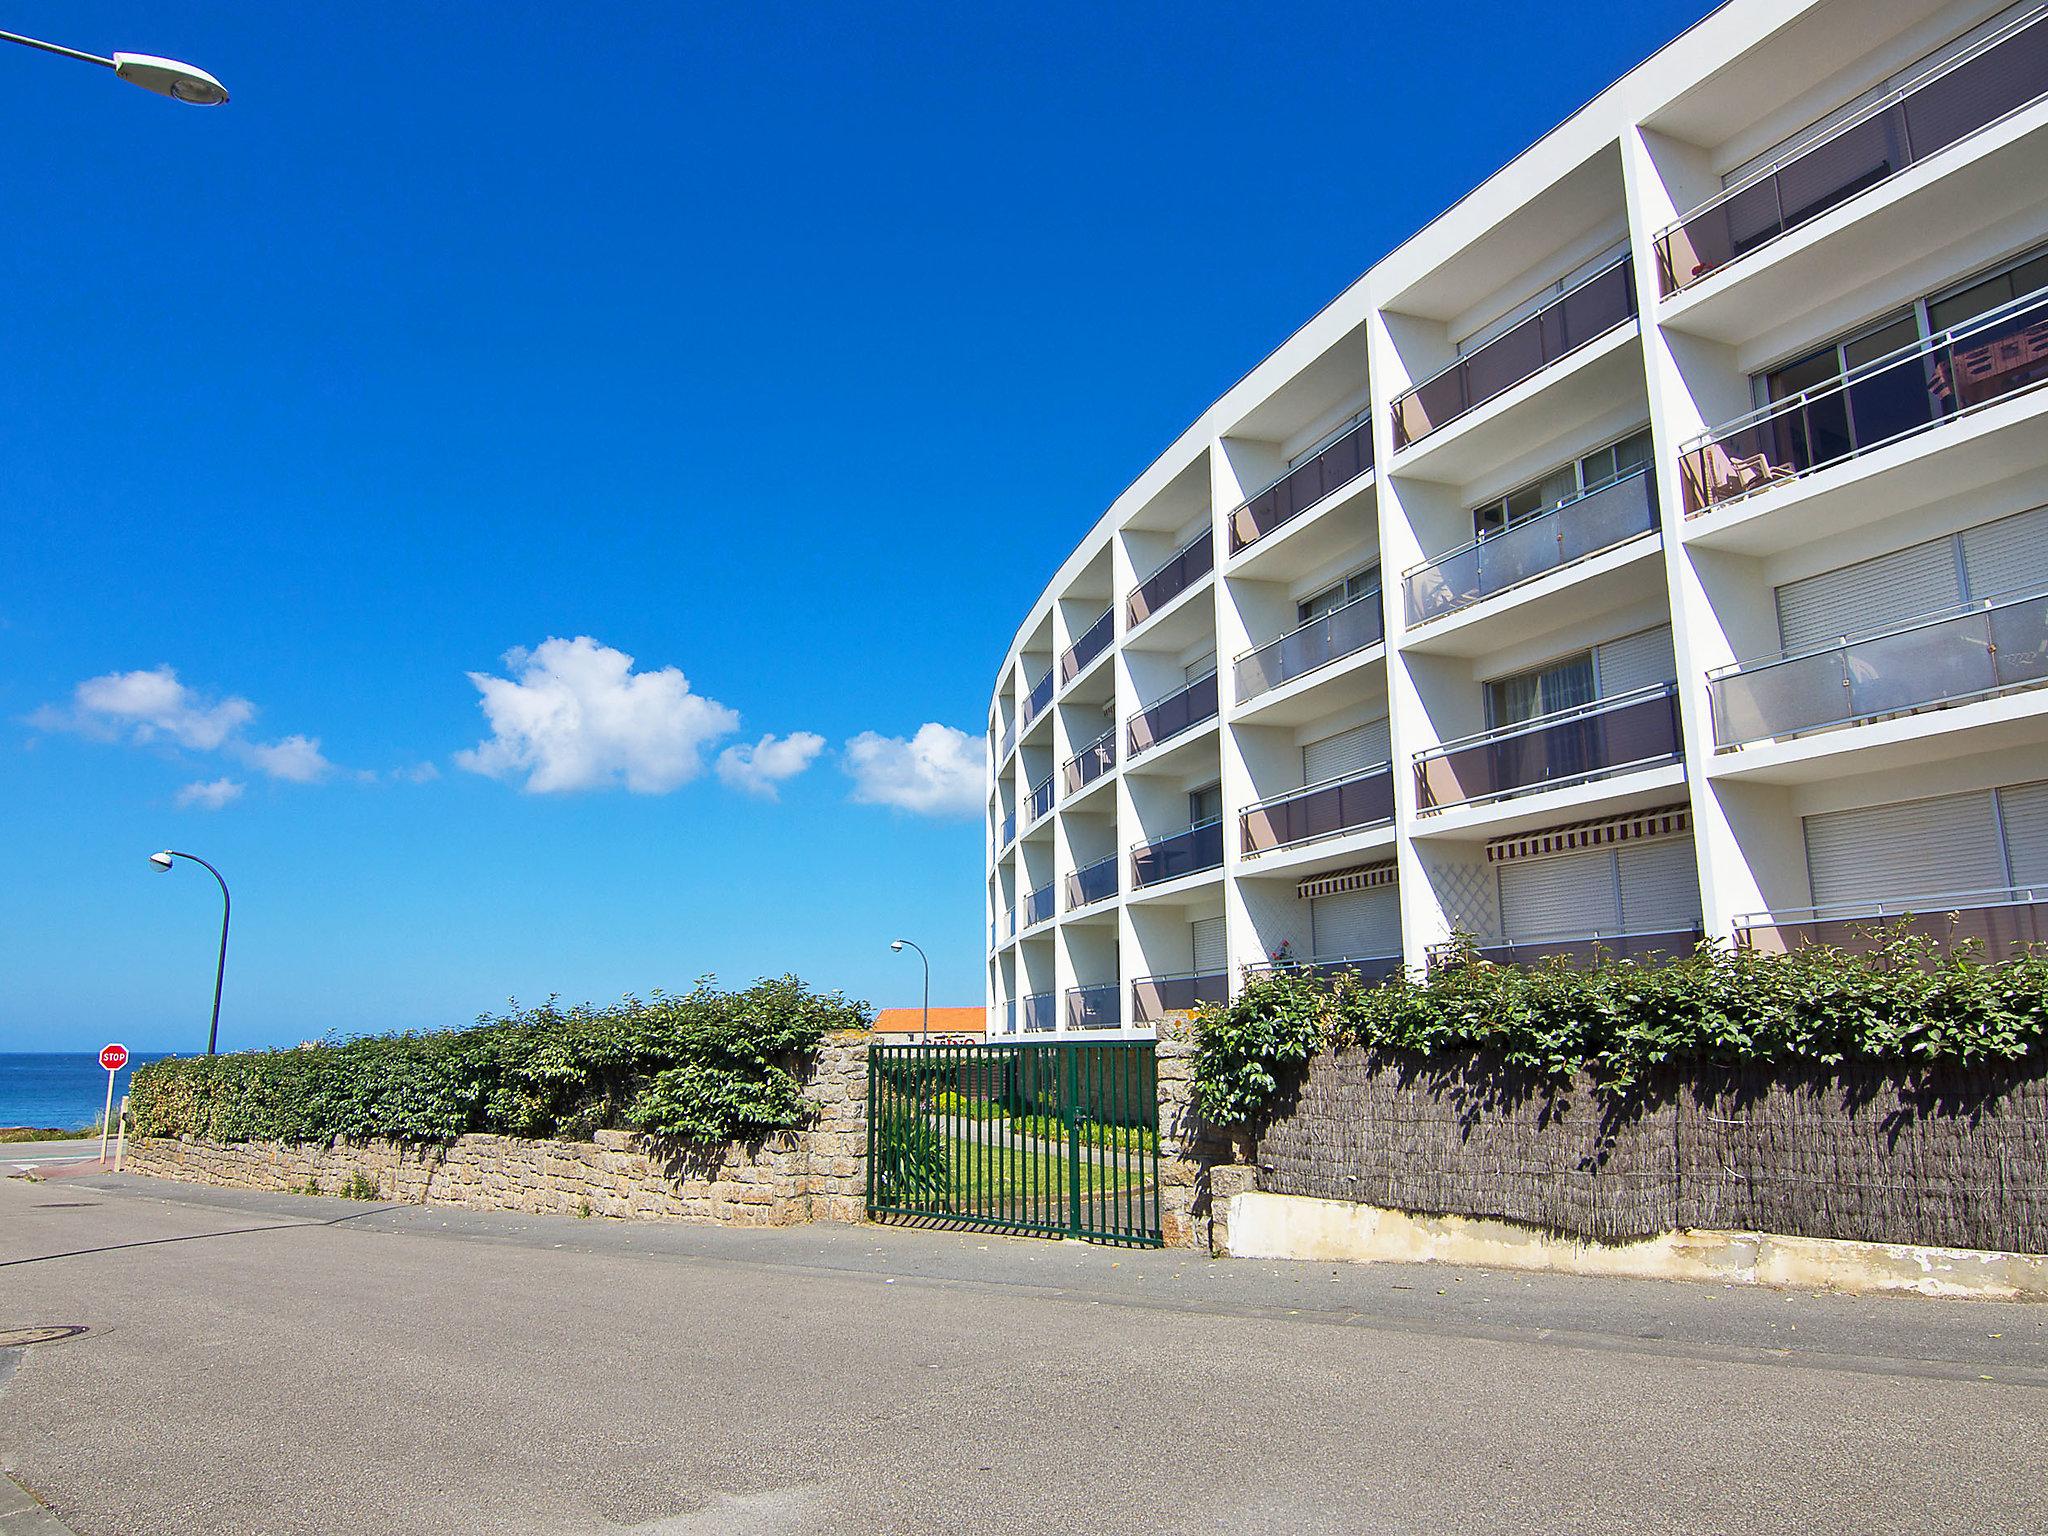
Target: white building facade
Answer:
[[1655, 546]]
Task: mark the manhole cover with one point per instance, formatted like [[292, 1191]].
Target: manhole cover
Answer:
[[55, 1333]]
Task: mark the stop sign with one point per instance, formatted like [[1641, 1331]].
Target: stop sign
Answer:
[[113, 1057]]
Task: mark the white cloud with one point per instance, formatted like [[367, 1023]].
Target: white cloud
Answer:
[[296, 759], [575, 715], [209, 796], [147, 706], [757, 769], [937, 772]]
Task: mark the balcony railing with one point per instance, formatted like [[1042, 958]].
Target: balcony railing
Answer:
[[1181, 710], [1009, 831], [1590, 741], [1329, 809], [1038, 906], [1944, 658], [1340, 461], [1200, 847], [1572, 530], [1010, 1017], [1950, 374], [1003, 746], [1580, 315], [1036, 700], [1091, 762], [1041, 1011], [1583, 948], [1091, 643], [1339, 633], [1094, 1007], [1368, 969], [1959, 97], [1092, 883], [1182, 571], [1154, 997], [2003, 921], [1039, 805]]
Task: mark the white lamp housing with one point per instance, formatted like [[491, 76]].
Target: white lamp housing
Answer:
[[168, 77]]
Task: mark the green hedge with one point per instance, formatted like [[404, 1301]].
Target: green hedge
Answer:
[[707, 1066], [1906, 1001]]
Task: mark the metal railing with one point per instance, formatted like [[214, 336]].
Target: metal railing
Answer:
[[1582, 948], [1036, 700], [1091, 643], [1629, 731], [1332, 466], [1581, 314], [1189, 852], [1154, 997], [1038, 905], [1009, 831], [1181, 710], [1329, 809], [2003, 920], [1010, 1017], [1007, 741], [1944, 658], [1575, 529], [1092, 883], [1091, 762], [1041, 1011], [1038, 805], [1949, 374], [1955, 99], [1175, 575], [1094, 1006], [1343, 631], [1368, 969]]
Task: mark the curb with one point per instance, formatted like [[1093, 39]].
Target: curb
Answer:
[[23, 1514]]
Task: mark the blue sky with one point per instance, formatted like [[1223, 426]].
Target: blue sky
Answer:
[[785, 347]]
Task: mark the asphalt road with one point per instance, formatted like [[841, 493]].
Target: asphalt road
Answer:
[[277, 1364]]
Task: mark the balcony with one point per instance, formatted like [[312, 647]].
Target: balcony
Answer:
[[1896, 396], [1091, 762], [1181, 710], [1589, 741], [1573, 530], [1003, 746], [1945, 658], [1186, 568], [1091, 883], [2003, 922], [1343, 459], [1154, 997], [1368, 970], [1339, 633], [1041, 1012], [1039, 805], [1008, 835], [1093, 1007], [1321, 810], [1959, 97], [1036, 700], [1092, 642], [1010, 1017], [1038, 906], [1585, 948], [1200, 847], [1569, 321]]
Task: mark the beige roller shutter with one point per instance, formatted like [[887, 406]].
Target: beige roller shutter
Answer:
[[1210, 953], [2023, 812], [1868, 595], [1660, 888], [1897, 852], [2010, 555], [1634, 661], [1356, 923], [1549, 898], [1347, 752]]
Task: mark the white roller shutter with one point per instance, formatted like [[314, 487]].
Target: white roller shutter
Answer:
[[2023, 811], [2010, 555], [1570, 894], [1347, 752], [1868, 595], [1210, 953], [1634, 661], [1919, 848], [1356, 923], [1660, 888]]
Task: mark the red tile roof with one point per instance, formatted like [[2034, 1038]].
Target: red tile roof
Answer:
[[945, 1021]]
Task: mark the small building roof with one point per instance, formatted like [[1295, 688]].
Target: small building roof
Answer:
[[945, 1021]]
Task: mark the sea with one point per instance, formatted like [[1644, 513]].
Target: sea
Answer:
[[63, 1089]]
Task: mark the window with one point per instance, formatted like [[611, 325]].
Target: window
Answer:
[[1359, 584], [1600, 468], [1205, 804], [1543, 691]]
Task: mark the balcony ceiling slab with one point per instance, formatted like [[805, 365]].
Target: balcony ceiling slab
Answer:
[[1328, 853], [1354, 679], [2017, 719]]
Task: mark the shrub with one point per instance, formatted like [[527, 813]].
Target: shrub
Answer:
[[1907, 1001], [707, 1065]]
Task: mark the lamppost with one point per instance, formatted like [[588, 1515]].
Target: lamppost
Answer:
[[163, 861], [897, 945], [167, 77]]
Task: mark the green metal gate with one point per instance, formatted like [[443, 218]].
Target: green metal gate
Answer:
[[1057, 1138]]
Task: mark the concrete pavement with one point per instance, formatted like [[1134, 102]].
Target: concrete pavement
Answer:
[[277, 1364]]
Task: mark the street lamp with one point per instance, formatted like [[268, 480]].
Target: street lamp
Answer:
[[897, 946], [167, 77], [163, 861]]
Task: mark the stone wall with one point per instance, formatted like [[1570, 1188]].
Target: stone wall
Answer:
[[1199, 1167], [818, 1173]]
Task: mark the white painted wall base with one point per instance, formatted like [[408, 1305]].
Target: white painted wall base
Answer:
[[1265, 1226]]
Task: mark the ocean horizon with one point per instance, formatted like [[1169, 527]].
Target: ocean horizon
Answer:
[[64, 1090]]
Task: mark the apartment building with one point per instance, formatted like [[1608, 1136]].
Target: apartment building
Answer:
[[1654, 546]]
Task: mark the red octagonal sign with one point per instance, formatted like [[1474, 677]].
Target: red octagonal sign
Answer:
[[113, 1057]]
